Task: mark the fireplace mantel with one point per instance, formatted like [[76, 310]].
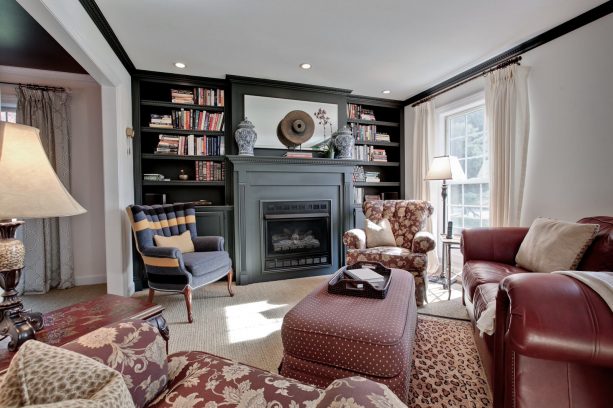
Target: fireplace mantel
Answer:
[[258, 179]]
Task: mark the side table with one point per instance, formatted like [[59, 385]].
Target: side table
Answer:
[[448, 244], [69, 323]]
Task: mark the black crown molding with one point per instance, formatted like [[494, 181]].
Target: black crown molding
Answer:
[[179, 79], [107, 32], [371, 100], [577, 22], [235, 79]]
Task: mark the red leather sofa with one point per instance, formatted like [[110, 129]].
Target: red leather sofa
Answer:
[[553, 344]]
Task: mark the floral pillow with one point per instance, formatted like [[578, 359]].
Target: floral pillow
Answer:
[[136, 350]]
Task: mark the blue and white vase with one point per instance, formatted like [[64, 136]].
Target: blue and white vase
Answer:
[[343, 141], [245, 137]]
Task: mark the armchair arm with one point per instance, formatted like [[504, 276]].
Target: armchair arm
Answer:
[[554, 317], [355, 239], [363, 392], [492, 244], [423, 242], [162, 252], [161, 263], [208, 244]]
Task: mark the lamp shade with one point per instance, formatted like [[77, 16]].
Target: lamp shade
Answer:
[[445, 168], [29, 187]]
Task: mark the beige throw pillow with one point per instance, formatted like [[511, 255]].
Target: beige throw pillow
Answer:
[[182, 242], [379, 234], [552, 245]]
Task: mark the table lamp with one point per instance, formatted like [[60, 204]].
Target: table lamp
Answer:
[[445, 168], [29, 188]]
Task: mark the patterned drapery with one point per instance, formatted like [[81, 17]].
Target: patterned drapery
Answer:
[[49, 260]]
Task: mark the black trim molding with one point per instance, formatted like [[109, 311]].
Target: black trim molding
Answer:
[[549, 35], [107, 32], [235, 79]]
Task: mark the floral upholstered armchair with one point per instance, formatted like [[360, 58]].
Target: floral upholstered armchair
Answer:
[[408, 219]]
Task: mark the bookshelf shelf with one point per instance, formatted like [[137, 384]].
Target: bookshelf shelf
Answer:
[[168, 131], [181, 106], [152, 156], [184, 183], [378, 164], [377, 184], [374, 122], [373, 143]]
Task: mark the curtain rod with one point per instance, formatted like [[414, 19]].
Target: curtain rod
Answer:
[[510, 61], [35, 86]]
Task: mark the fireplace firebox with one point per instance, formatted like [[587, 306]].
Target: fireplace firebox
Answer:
[[297, 235]]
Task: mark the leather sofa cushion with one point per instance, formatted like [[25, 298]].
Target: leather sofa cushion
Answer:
[[477, 273], [201, 263], [599, 256], [373, 337], [484, 294]]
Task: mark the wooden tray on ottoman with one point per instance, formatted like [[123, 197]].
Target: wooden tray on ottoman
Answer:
[[343, 284]]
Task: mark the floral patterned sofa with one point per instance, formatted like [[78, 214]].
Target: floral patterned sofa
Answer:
[[408, 219], [198, 379]]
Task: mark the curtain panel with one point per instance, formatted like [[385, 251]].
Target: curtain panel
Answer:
[[424, 134], [508, 122], [49, 259]]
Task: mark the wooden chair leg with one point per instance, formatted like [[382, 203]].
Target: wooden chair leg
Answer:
[[187, 292], [230, 275], [151, 293]]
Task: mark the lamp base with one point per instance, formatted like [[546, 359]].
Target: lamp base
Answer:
[[15, 322]]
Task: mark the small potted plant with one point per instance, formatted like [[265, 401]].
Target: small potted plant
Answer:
[[327, 146]]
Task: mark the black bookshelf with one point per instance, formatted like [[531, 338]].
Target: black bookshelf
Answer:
[[389, 119]]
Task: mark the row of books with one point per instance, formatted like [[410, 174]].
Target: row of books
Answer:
[[372, 177], [358, 174], [191, 145], [358, 112], [369, 153], [358, 195], [210, 171], [363, 133], [189, 120], [199, 96], [298, 154]]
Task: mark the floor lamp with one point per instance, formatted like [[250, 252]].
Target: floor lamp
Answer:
[[445, 168], [29, 188]]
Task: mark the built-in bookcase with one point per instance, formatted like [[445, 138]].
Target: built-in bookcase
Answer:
[[379, 116], [153, 96]]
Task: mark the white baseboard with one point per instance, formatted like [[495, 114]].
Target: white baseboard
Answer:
[[89, 280]]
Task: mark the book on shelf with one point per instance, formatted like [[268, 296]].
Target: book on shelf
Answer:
[[358, 174], [372, 176], [298, 155], [198, 96], [188, 119], [161, 121], [377, 155], [369, 153], [358, 195], [372, 197], [209, 171], [355, 111], [191, 145], [367, 114], [382, 137], [363, 133]]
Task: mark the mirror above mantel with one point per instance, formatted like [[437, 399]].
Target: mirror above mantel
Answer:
[[266, 113]]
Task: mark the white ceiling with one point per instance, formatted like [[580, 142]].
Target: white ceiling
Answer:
[[404, 45]]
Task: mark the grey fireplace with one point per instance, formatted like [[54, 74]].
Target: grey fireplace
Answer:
[[297, 235], [289, 216]]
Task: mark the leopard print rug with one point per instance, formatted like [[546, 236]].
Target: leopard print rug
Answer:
[[446, 368]]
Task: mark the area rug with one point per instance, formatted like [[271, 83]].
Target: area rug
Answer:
[[446, 369]]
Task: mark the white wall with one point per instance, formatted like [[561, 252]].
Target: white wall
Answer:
[[570, 151], [68, 23], [86, 164]]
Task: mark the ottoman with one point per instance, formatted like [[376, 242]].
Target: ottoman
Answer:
[[327, 337]]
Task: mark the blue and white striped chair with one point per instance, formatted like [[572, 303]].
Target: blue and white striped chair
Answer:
[[169, 270]]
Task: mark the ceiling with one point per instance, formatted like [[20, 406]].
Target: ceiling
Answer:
[[24, 43], [405, 46]]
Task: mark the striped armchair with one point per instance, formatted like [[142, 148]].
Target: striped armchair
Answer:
[[169, 270]]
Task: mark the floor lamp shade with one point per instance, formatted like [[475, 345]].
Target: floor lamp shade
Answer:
[[445, 168], [29, 187]]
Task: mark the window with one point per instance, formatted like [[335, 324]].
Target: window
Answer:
[[8, 107], [466, 138]]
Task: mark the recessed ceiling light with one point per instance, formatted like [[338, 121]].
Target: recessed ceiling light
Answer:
[[180, 65], [305, 66], [386, 92]]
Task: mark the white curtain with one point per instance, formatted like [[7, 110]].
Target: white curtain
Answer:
[[423, 152], [508, 123]]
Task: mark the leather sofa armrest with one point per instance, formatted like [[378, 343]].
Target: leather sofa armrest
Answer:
[[355, 239], [423, 242], [208, 244], [555, 317], [492, 244], [358, 392]]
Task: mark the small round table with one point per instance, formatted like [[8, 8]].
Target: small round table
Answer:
[[448, 244]]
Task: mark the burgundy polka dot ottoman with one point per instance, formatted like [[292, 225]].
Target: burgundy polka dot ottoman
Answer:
[[327, 337]]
